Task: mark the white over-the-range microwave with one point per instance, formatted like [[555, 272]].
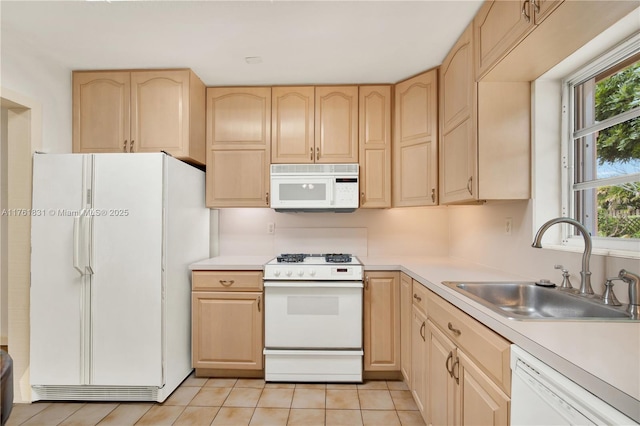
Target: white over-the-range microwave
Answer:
[[314, 187]]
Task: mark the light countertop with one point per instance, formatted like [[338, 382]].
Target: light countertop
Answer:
[[231, 263], [602, 357]]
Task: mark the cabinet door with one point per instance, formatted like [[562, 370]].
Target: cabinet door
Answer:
[[416, 141], [160, 111], [336, 124], [239, 146], [419, 360], [458, 147], [227, 330], [499, 26], [441, 386], [292, 123], [405, 327], [481, 401], [101, 112], [382, 321], [237, 178], [239, 118], [375, 146]]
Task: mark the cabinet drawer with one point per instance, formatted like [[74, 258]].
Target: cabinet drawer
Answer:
[[488, 349], [227, 280], [419, 295]]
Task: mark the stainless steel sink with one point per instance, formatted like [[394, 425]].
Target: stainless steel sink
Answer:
[[527, 301]]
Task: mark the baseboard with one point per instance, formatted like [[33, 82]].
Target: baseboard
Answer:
[[382, 375], [215, 372]]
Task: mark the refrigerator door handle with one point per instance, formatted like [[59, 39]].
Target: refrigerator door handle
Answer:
[[81, 246], [88, 234], [76, 242]]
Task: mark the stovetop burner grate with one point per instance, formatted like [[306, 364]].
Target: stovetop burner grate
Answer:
[[337, 258], [299, 257], [291, 258]]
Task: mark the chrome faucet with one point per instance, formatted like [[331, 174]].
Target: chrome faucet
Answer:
[[634, 292], [585, 274]]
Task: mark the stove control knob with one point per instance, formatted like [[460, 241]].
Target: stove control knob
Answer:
[[312, 272], [276, 273], [289, 273], [300, 272]]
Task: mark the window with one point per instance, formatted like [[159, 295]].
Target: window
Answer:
[[601, 158]]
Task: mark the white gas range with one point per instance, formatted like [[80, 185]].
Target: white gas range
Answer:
[[313, 318]]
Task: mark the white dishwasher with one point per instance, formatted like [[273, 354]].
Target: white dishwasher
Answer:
[[542, 396]]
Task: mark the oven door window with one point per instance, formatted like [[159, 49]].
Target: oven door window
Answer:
[[313, 318]]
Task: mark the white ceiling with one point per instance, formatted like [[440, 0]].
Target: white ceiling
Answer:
[[300, 42]]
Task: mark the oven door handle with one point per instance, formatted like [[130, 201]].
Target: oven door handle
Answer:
[[313, 284]]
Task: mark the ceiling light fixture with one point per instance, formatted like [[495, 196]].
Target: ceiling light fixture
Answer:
[[253, 59]]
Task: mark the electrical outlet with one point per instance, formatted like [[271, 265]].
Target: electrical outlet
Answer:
[[271, 227], [508, 225]]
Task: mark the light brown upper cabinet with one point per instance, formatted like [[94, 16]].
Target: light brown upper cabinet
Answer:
[[292, 124], [139, 111], [375, 146], [336, 124], [416, 141], [501, 24], [485, 133], [315, 124], [238, 146], [521, 40]]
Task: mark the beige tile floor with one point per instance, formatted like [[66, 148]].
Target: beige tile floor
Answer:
[[236, 402]]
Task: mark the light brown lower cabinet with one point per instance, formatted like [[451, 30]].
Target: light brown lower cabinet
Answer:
[[382, 321], [467, 368], [406, 283], [419, 348], [227, 322], [419, 357]]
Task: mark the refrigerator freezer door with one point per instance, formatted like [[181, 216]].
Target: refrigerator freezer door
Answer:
[[57, 288], [127, 287]]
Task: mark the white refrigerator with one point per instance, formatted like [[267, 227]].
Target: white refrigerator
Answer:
[[112, 236]]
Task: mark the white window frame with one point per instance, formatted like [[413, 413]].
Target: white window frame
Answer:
[[605, 245]]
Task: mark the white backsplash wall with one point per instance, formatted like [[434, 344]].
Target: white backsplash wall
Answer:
[[477, 234], [391, 232]]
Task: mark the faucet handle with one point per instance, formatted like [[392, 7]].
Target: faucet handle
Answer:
[[609, 297], [560, 267], [566, 283]]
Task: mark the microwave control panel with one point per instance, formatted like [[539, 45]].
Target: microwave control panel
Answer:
[[346, 192]]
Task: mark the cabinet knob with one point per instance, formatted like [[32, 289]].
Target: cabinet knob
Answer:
[[433, 195], [469, 184], [418, 298], [227, 283], [124, 147], [131, 146], [267, 198], [362, 197], [317, 153], [311, 153], [422, 331], [259, 300]]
